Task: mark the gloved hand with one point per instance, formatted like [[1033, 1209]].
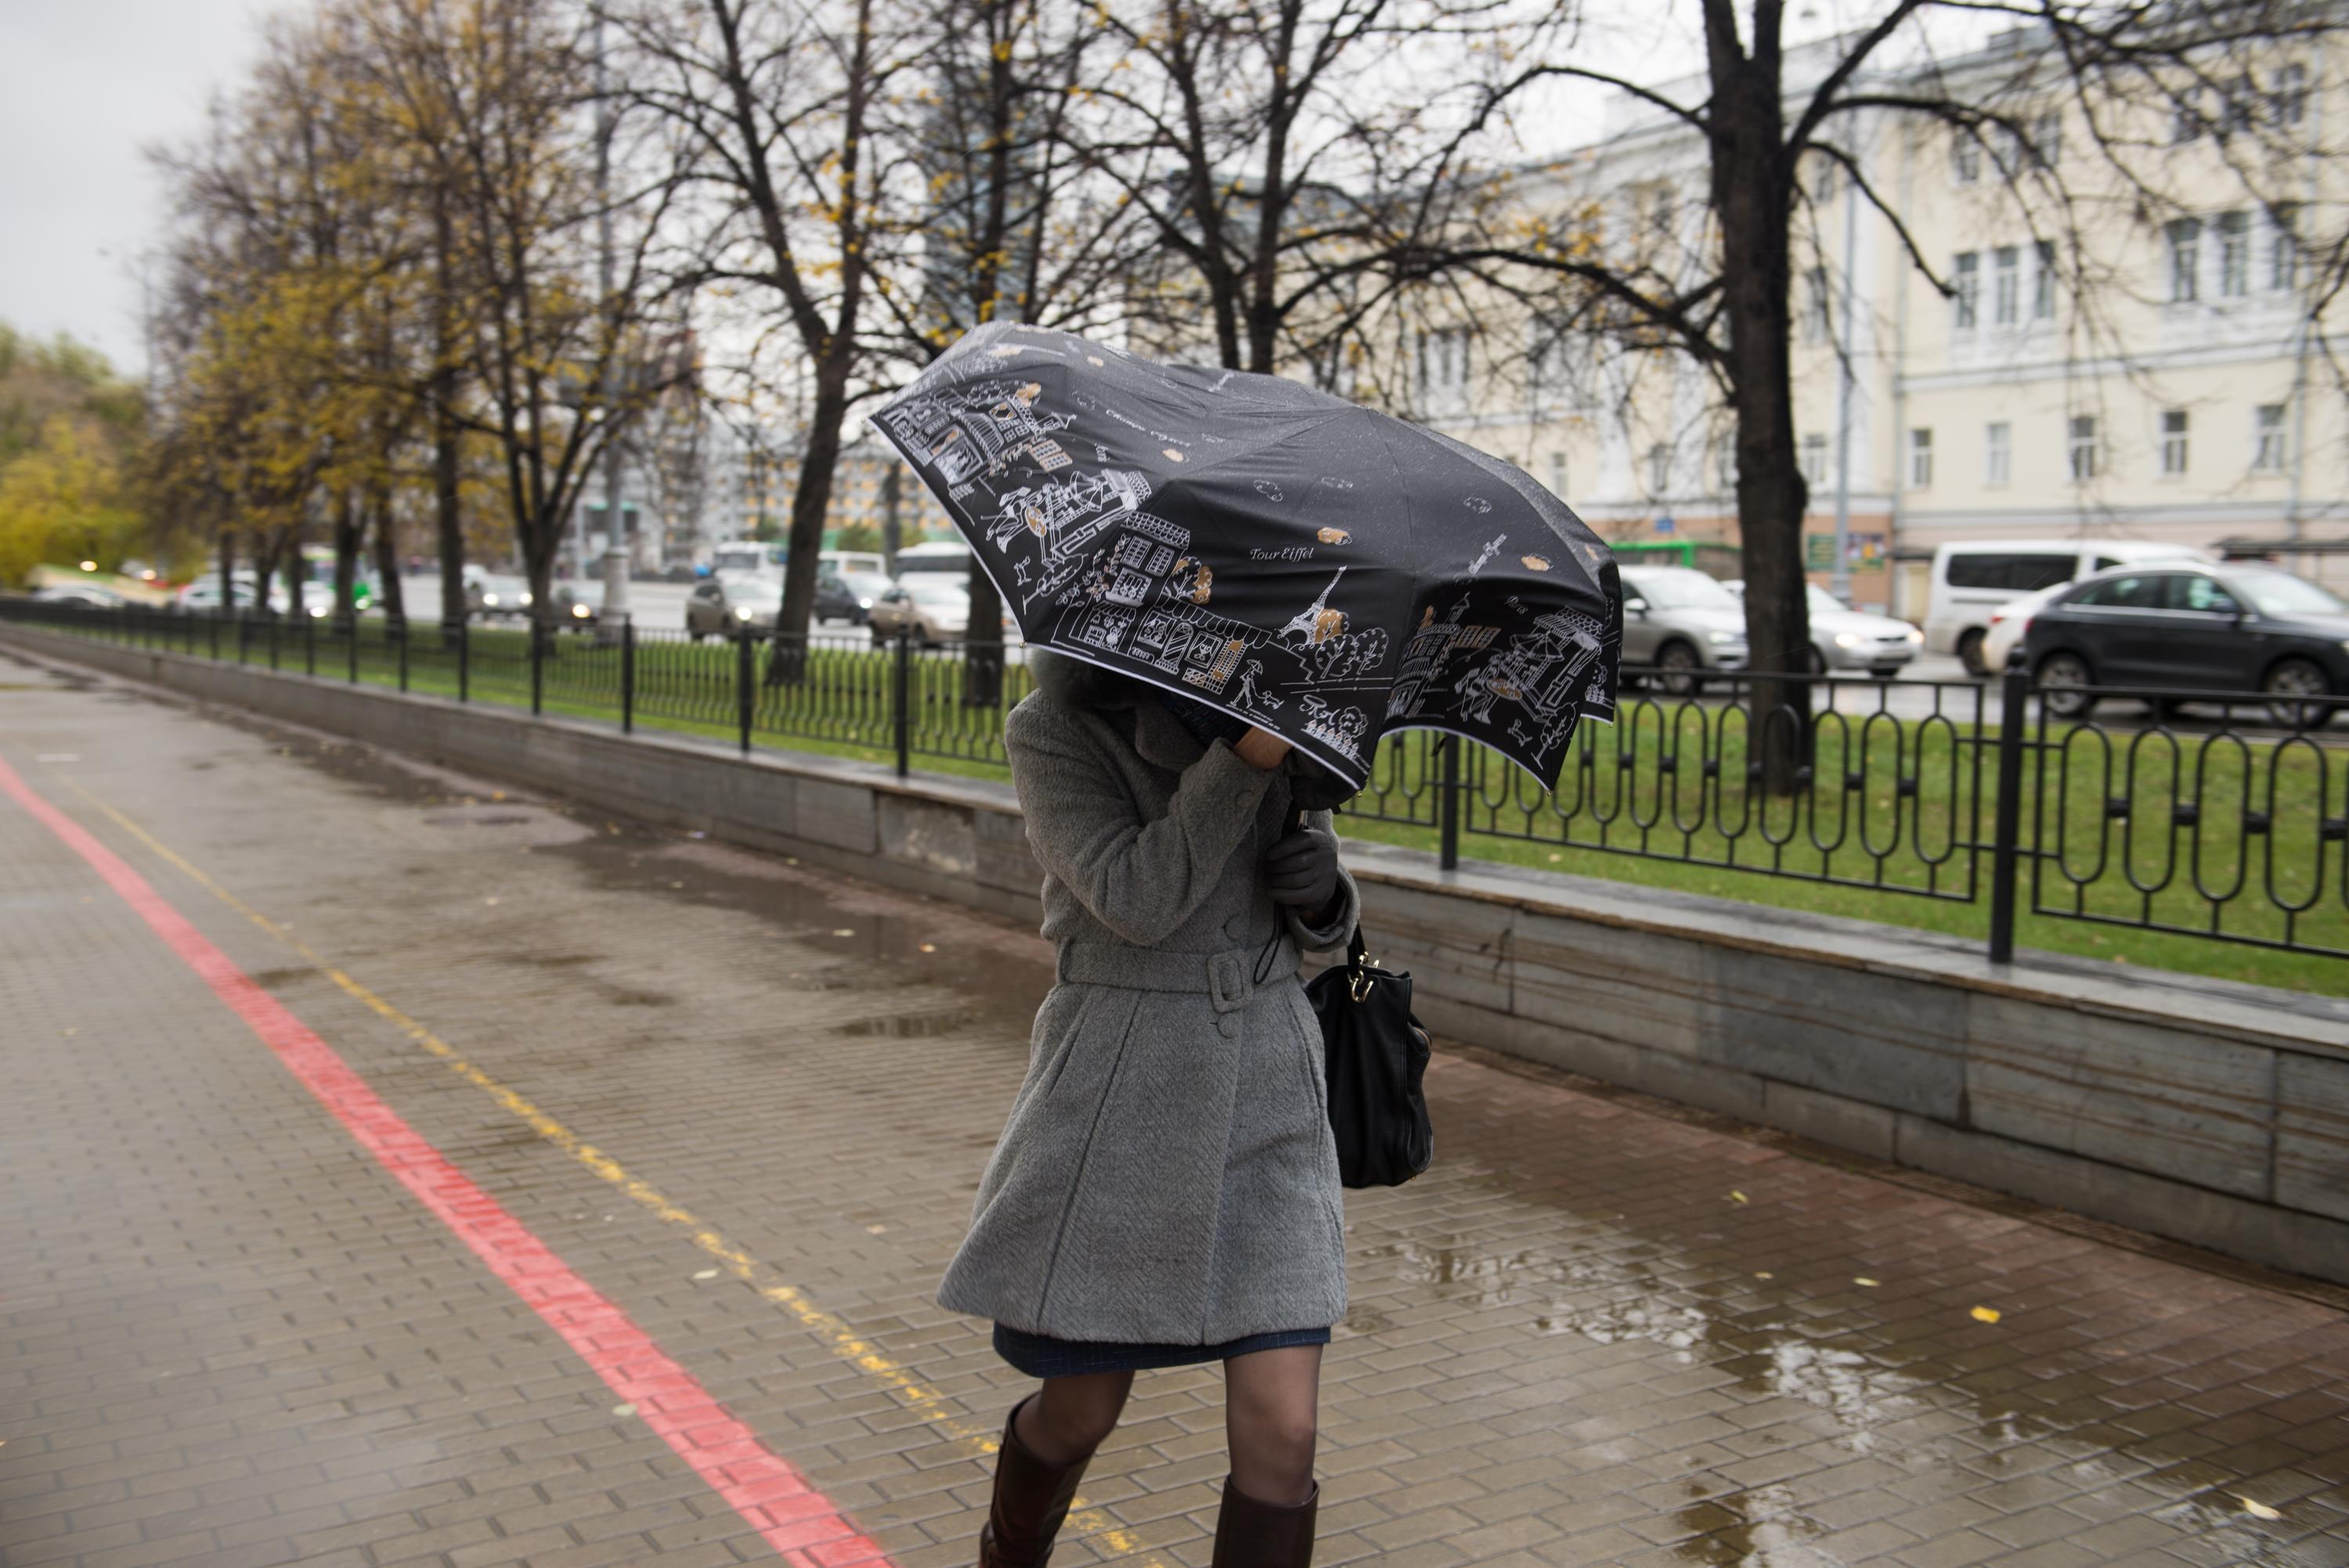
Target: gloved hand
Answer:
[[1301, 869]]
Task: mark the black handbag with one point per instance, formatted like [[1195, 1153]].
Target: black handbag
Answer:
[[1375, 1054]]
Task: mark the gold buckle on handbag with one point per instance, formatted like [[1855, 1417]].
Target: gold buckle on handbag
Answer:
[[1358, 985]]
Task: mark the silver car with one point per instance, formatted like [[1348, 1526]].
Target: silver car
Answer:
[[1843, 638], [1682, 622], [729, 602]]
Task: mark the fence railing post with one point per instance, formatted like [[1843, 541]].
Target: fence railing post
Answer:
[[2007, 830], [745, 664], [1448, 840], [399, 628], [465, 660], [274, 621], [309, 645], [351, 650], [212, 621], [627, 676], [901, 699], [537, 664]]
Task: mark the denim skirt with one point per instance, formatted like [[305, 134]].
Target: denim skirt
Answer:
[[1040, 1356]]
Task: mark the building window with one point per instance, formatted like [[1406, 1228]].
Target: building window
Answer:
[[1967, 289], [2186, 116], [1557, 475], [1660, 468], [2042, 281], [1965, 158], [2087, 457], [1998, 456], [2267, 453], [2185, 260], [2173, 443], [1815, 305], [1920, 460], [1444, 364], [2284, 248], [2047, 139], [1815, 460], [1724, 461], [2234, 254], [2289, 101], [2006, 286]]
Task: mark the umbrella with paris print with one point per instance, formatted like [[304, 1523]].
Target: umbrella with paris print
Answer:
[[1315, 568]]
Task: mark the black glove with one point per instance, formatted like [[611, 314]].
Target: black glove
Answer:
[[1301, 869]]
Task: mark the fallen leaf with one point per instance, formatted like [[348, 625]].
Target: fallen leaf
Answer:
[[497, 794], [624, 1411], [1555, 858], [876, 1230], [706, 1274], [791, 859], [73, 1031], [613, 828], [488, 901], [1736, 1197], [677, 885], [1864, 1280], [1986, 1314], [2257, 1509], [845, 931], [1764, 1273], [929, 947]]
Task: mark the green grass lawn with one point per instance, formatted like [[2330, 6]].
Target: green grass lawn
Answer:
[[2134, 827]]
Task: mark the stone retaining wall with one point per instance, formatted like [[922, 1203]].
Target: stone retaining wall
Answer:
[[2211, 1112]]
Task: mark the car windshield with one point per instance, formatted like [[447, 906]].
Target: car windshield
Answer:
[[937, 588], [1826, 603], [739, 583], [2273, 593], [1681, 588], [868, 584]]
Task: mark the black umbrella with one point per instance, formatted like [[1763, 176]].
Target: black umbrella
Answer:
[[1315, 568]]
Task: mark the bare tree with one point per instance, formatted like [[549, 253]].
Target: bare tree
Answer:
[[777, 108], [1722, 295]]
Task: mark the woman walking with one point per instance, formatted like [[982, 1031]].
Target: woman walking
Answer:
[[1166, 1191]]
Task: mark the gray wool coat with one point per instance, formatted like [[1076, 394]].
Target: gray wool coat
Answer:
[[1167, 1175]]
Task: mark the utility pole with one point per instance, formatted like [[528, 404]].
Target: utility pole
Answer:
[[617, 553], [892, 533], [1840, 583]]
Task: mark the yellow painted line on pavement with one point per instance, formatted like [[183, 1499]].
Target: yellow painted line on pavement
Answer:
[[842, 1338]]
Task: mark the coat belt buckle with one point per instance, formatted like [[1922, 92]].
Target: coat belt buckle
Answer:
[[1227, 982]]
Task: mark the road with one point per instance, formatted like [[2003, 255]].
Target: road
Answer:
[[401, 1169]]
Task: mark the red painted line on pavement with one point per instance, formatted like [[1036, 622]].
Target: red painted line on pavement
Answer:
[[764, 1487]]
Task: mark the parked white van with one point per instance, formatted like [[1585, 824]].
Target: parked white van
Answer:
[[1972, 579]]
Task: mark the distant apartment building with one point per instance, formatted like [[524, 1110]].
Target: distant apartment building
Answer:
[[2186, 400], [758, 482]]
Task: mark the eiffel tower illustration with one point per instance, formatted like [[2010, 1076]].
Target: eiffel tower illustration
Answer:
[[1317, 623]]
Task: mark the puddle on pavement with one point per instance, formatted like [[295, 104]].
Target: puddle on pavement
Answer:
[[914, 1026], [1776, 1341]]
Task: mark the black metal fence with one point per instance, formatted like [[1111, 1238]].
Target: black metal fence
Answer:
[[2202, 815]]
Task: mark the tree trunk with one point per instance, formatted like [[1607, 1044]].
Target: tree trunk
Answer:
[[228, 570], [347, 561], [810, 502], [1750, 200], [982, 664], [387, 554], [449, 522], [292, 571]]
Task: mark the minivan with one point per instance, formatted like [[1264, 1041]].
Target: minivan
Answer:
[[1973, 579]]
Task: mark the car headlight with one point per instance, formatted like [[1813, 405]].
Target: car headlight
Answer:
[[1722, 639], [581, 611], [318, 612], [742, 611], [489, 599], [524, 600], [1917, 636], [864, 604], [1847, 639]]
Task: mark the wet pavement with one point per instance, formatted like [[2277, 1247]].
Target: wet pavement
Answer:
[[748, 1104]]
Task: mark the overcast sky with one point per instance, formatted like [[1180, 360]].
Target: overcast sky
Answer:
[[85, 85]]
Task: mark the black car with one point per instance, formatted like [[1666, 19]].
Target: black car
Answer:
[[2182, 629], [847, 595]]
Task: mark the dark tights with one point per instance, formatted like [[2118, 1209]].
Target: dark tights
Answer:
[[1270, 1417]]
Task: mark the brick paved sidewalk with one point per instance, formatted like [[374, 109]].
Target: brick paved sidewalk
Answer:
[[749, 1104]]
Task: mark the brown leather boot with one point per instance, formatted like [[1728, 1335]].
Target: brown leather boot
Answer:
[[1252, 1534], [1031, 1499]]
